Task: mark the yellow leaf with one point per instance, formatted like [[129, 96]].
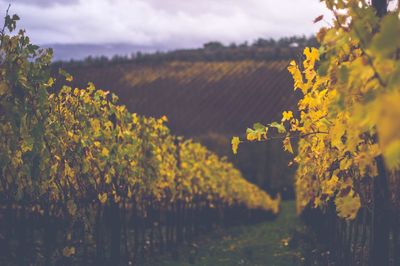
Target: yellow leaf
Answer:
[[312, 55], [297, 76], [337, 132], [345, 164], [329, 186], [50, 82], [68, 171], [235, 144], [71, 206], [392, 155], [287, 146], [317, 202], [164, 118], [108, 179], [135, 118], [95, 124], [286, 116], [117, 198], [25, 147], [102, 197], [68, 251], [251, 135], [129, 193], [105, 152], [347, 206], [257, 134]]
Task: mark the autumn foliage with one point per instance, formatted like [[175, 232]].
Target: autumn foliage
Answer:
[[346, 123], [71, 158]]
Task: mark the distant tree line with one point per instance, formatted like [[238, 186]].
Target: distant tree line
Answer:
[[260, 49]]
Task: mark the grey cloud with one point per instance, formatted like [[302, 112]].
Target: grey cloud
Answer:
[[178, 23], [43, 3]]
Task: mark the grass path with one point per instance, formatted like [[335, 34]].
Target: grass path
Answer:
[[268, 243]]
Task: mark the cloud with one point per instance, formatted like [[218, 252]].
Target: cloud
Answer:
[[44, 3], [175, 23]]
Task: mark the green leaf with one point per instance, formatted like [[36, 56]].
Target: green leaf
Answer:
[[278, 126], [68, 77], [259, 126], [387, 40]]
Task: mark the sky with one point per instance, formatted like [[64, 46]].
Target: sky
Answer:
[[172, 23]]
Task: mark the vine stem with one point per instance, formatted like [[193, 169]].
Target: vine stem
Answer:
[[284, 137]]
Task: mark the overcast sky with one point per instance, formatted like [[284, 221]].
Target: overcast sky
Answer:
[[171, 23]]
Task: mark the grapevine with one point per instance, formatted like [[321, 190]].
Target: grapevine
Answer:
[[346, 125], [75, 157]]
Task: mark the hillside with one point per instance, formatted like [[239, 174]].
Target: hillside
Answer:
[[117, 53], [198, 97], [66, 52], [210, 101]]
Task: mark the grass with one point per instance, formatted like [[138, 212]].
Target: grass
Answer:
[[268, 243]]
